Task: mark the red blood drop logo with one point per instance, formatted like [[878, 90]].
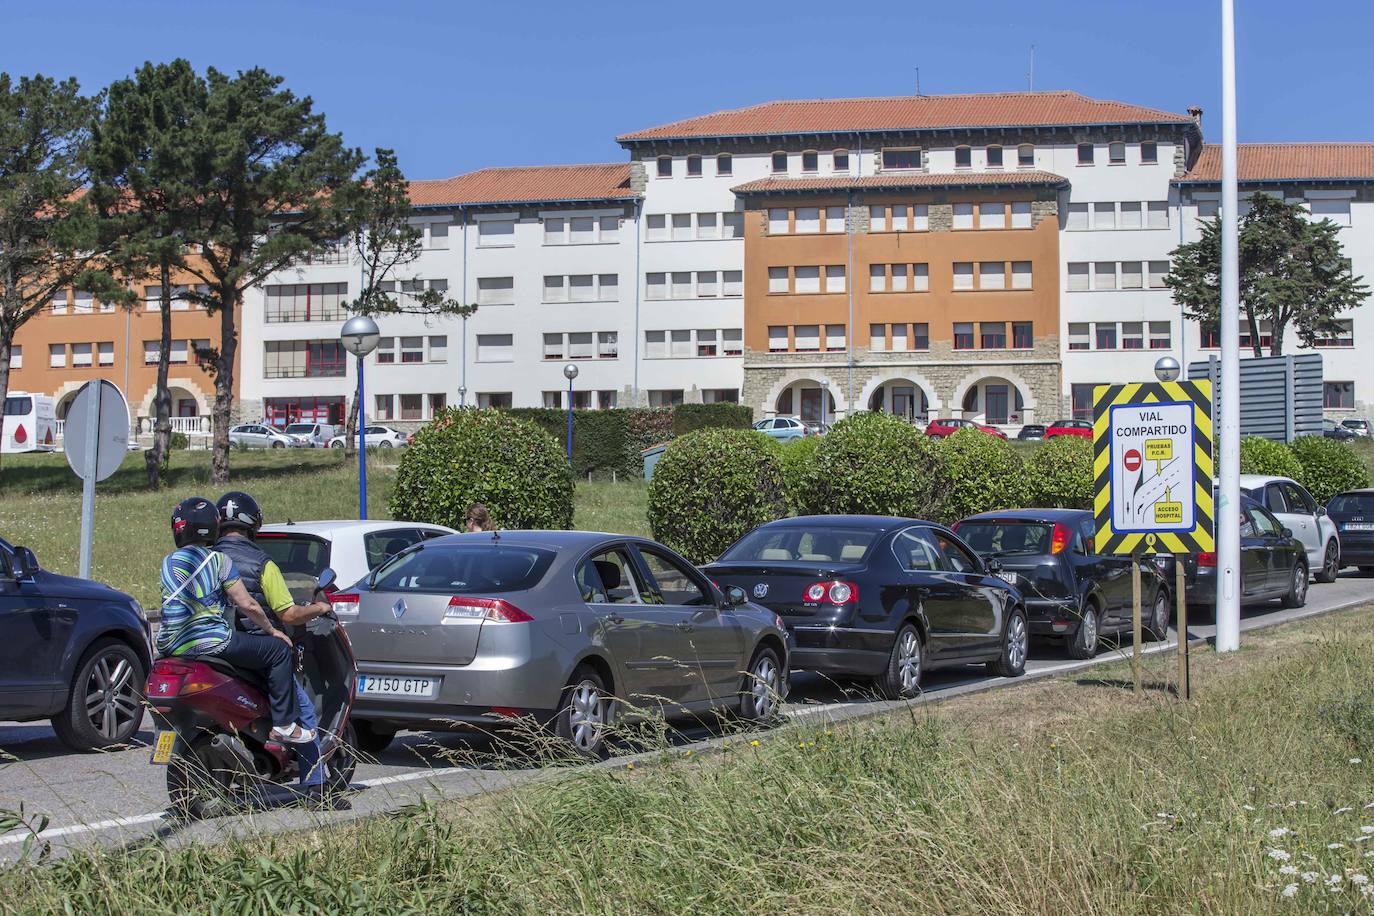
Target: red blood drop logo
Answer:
[[21, 435], [1131, 460], [47, 440]]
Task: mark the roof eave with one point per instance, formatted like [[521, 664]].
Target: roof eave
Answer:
[[628, 140], [1349, 179], [527, 201]]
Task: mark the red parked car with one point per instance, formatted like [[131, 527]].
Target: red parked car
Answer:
[[947, 426], [1081, 428]]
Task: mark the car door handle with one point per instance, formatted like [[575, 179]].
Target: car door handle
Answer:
[[615, 619], [684, 626]]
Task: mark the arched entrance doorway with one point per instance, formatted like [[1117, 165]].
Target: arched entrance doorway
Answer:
[[901, 397], [808, 399], [994, 400]]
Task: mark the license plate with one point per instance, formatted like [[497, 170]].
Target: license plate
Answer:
[[385, 685], [162, 747], [1007, 577], [1161, 562], [1359, 526]]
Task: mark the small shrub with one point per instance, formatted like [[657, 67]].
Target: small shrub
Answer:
[[876, 463], [1059, 474], [486, 456], [983, 474], [712, 486], [689, 418], [1265, 456], [799, 474], [1328, 467], [178, 442]]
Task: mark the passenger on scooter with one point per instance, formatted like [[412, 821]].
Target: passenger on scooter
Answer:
[[239, 521], [198, 585]]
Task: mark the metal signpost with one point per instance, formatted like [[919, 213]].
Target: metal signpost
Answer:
[[96, 443], [1152, 468]]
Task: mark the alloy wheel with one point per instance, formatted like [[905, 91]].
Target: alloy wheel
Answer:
[[112, 698], [1300, 582], [1089, 626], [586, 716], [1161, 616], [1329, 567], [1016, 641], [909, 662], [763, 689]]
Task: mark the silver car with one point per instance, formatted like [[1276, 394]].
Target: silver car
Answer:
[[259, 435], [572, 628]]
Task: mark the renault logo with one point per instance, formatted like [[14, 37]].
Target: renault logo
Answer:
[[398, 609], [761, 590]]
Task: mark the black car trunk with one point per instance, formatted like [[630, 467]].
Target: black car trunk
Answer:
[[1039, 575], [781, 586]]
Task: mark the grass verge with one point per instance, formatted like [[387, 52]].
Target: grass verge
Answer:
[[1063, 796]]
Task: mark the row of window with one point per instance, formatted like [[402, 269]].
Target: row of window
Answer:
[[102, 353], [1126, 335], [1085, 275], [303, 359], [413, 349], [1335, 396], [688, 343], [1342, 336], [900, 278], [806, 279], [683, 227], [408, 406], [1124, 214], [898, 338], [700, 284], [1336, 209], [582, 345], [581, 230], [306, 302], [899, 218], [993, 275]]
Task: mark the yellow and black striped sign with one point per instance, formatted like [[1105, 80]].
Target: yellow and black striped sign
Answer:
[[1152, 467]]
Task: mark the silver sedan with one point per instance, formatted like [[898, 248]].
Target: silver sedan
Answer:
[[574, 629]]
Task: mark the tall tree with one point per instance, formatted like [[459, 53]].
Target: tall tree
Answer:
[[275, 185], [45, 240], [1293, 271], [385, 241], [144, 192]]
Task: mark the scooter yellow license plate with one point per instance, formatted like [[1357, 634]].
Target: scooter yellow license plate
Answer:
[[162, 748]]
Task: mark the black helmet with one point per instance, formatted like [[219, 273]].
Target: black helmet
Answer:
[[239, 510], [195, 521]]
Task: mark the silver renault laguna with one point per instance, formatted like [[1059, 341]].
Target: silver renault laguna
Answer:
[[573, 628]]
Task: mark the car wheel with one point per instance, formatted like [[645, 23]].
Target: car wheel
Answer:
[[584, 715], [196, 791], [279, 445], [1085, 642], [1012, 661], [1157, 627], [901, 680], [336, 445], [761, 693], [1297, 586], [371, 739], [1331, 563], [105, 705], [384, 444]]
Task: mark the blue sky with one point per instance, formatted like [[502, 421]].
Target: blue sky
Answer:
[[457, 85]]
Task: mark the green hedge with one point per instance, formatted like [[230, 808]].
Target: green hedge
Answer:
[[799, 474], [982, 474], [712, 486], [689, 418], [1059, 474], [1265, 456], [488, 456], [1328, 467], [876, 463]]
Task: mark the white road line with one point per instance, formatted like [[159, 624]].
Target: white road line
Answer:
[[409, 777], [53, 832]]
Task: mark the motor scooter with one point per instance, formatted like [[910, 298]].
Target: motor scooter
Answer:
[[213, 720]]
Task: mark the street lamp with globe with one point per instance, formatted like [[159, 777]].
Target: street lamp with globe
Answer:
[[570, 373], [1167, 369], [359, 336]]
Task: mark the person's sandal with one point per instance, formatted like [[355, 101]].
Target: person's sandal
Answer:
[[293, 735]]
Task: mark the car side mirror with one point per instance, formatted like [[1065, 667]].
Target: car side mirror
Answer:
[[1286, 532], [1321, 511], [328, 581], [25, 563], [735, 596], [994, 565]]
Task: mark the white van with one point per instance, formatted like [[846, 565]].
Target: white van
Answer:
[[30, 424]]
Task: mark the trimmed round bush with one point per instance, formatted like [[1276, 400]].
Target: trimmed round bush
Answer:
[[1059, 474], [1328, 467], [467, 456], [799, 474], [1265, 456], [711, 487], [983, 474], [878, 464]]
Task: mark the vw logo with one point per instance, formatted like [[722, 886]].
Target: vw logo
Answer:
[[398, 609], [761, 590]]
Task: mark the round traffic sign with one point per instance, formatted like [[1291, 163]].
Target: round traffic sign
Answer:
[[97, 430], [1131, 460]]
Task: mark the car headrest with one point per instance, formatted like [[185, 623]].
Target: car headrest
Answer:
[[774, 553], [852, 551], [609, 573]]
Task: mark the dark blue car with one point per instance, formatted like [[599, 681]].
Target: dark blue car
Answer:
[[71, 650]]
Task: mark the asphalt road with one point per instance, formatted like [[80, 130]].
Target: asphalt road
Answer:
[[118, 797]]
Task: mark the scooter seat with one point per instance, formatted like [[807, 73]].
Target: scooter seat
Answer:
[[252, 678]]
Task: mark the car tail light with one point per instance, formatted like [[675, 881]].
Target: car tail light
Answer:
[[1207, 559], [955, 526], [344, 604], [461, 607], [835, 592], [1059, 539]]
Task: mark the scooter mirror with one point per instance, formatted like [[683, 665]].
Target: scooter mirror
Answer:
[[328, 579]]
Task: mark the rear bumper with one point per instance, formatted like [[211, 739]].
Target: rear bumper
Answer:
[[1048, 617], [839, 650], [1357, 551]]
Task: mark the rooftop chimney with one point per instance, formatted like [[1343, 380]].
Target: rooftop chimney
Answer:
[[1196, 114]]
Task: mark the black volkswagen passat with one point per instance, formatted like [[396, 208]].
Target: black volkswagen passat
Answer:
[[1353, 513], [878, 597], [1070, 590]]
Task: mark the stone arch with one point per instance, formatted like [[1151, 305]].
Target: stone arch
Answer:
[[203, 399], [791, 378], [993, 372], [886, 376]]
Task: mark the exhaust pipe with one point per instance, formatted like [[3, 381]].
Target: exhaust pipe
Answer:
[[233, 755]]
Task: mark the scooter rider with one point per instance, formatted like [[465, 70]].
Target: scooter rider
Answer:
[[198, 585], [239, 520]]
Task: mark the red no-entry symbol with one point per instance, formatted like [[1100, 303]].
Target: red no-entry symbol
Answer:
[[1131, 460]]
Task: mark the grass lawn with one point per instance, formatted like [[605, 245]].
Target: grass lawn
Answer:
[[40, 504], [1064, 796]]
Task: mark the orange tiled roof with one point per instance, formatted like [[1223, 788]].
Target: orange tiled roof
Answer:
[[526, 184], [921, 112], [1257, 162], [1032, 177]]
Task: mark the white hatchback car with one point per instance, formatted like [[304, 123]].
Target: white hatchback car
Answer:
[[1297, 511], [351, 548], [375, 437]]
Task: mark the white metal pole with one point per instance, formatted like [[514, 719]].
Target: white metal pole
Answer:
[[1228, 504], [93, 394]]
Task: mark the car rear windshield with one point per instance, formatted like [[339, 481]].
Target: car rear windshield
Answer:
[[296, 428], [18, 407], [470, 569], [1352, 503], [827, 544], [296, 553], [1007, 536]]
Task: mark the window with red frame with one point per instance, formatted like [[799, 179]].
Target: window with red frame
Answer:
[[1022, 335], [325, 359], [284, 411]]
